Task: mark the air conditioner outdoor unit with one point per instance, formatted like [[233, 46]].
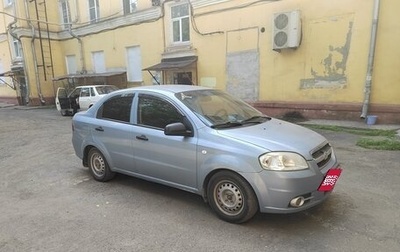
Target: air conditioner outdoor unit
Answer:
[[287, 30]]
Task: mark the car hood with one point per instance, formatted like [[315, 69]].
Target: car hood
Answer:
[[278, 135]]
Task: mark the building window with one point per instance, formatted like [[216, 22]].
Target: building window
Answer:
[[17, 48], [66, 14], [98, 61], [180, 23], [8, 2], [71, 64], [155, 3], [130, 6], [94, 11], [134, 64]]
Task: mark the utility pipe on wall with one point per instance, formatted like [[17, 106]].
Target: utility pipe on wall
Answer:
[[371, 56], [10, 28], [35, 62]]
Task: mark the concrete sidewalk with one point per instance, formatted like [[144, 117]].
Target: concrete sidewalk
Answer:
[[6, 105], [13, 106], [353, 124]]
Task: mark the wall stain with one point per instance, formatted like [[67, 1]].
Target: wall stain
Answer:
[[334, 74]]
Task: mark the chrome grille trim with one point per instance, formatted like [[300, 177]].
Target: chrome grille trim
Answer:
[[323, 155]]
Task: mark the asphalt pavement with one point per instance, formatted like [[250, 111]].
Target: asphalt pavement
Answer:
[[49, 202]]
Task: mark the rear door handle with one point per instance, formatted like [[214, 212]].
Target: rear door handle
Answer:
[[99, 128], [142, 137]]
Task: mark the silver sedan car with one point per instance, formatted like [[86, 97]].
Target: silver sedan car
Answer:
[[207, 142]]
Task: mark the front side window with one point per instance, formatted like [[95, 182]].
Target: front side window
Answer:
[[105, 89], [117, 108], [130, 6], [66, 15], [85, 92], [155, 112], [94, 11], [75, 93], [180, 23]]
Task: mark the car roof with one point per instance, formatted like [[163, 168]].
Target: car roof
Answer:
[[93, 86], [169, 88]]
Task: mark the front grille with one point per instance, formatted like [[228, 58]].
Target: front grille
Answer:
[[323, 155]]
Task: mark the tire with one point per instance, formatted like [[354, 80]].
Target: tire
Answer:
[[64, 112], [231, 197], [98, 166]]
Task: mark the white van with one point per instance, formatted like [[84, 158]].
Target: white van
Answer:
[[81, 98]]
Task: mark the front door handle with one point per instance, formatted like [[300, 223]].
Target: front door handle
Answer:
[[99, 128], [142, 137]]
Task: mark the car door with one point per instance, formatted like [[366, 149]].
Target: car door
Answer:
[[62, 100], [167, 159], [85, 98], [113, 132]]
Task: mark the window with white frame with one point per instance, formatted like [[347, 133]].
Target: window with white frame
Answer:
[[94, 11], [66, 14], [130, 6], [8, 2], [98, 61], [180, 23], [71, 64], [16, 48], [134, 63]]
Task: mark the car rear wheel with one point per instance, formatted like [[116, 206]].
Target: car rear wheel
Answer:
[[98, 166], [231, 197]]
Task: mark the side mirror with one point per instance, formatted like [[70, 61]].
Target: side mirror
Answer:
[[177, 129]]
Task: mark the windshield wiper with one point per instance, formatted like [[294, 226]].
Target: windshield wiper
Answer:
[[226, 125], [256, 119]]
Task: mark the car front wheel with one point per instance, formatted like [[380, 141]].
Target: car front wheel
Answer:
[[98, 166], [231, 197]]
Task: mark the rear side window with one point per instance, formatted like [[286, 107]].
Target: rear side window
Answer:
[[155, 112], [117, 108]]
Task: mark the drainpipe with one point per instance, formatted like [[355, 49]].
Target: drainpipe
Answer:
[[81, 50], [38, 86], [12, 34], [371, 56]]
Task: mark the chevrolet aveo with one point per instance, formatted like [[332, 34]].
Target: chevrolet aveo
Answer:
[[206, 142]]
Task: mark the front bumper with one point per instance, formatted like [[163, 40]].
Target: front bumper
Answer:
[[275, 190]]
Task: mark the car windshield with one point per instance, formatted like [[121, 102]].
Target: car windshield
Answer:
[[220, 110], [105, 89]]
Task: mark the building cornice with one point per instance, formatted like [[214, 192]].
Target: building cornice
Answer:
[[204, 3], [145, 16]]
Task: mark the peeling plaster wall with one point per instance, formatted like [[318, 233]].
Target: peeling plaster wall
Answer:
[[243, 63], [243, 73], [328, 57]]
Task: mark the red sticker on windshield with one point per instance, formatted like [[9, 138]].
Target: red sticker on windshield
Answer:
[[330, 180]]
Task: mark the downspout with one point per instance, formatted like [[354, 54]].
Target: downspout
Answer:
[[12, 34], [38, 86], [81, 50], [371, 56]]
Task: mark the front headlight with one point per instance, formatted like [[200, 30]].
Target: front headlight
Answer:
[[283, 161]]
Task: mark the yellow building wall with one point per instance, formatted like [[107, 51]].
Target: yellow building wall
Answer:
[[5, 62], [386, 74], [114, 45], [329, 66], [324, 31]]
